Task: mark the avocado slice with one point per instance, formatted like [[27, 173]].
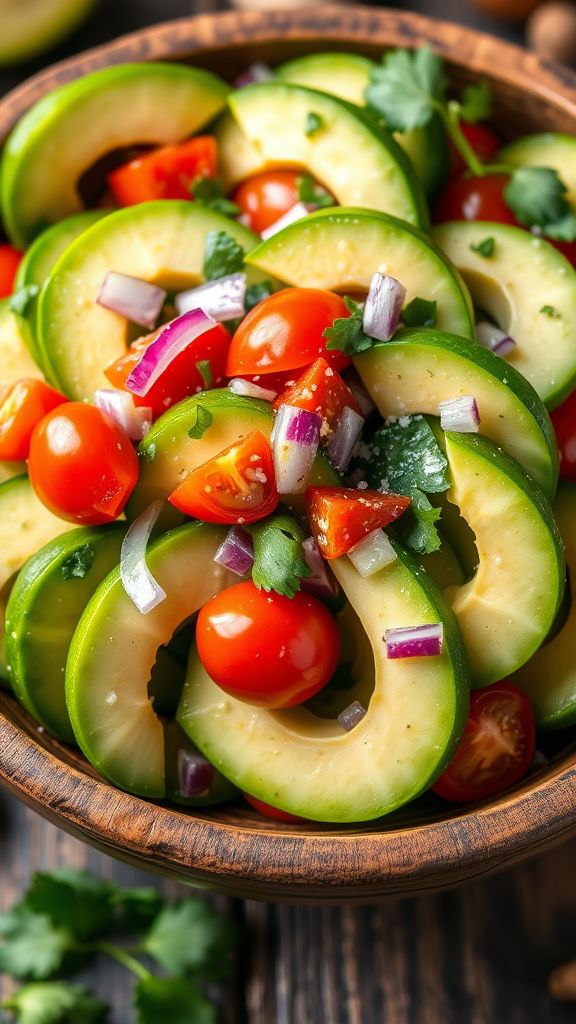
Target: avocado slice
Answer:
[[31, 28], [341, 249], [274, 116], [307, 764], [168, 453], [162, 242], [17, 347], [508, 607], [420, 368], [69, 130], [549, 678], [348, 75], [530, 290], [43, 609], [545, 149]]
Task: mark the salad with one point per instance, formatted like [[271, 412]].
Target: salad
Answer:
[[279, 508]]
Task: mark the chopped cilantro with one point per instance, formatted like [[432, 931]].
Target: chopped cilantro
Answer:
[[202, 420], [537, 197], [484, 248], [278, 561], [552, 312], [313, 123], [311, 193], [420, 313], [476, 103], [204, 367], [209, 192], [347, 332], [407, 88], [79, 563], [255, 293], [223, 255], [20, 301]]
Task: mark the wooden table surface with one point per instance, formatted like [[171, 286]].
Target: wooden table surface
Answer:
[[478, 955]]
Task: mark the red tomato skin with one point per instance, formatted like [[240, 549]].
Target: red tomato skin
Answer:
[[341, 517], [483, 140], [319, 389], [285, 332], [82, 465], [268, 811], [164, 173], [564, 423], [22, 406], [182, 378], [266, 649], [266, 197], [10, 259], [497, 746], [226, 489]]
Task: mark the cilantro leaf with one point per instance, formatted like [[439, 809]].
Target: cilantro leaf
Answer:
[[314, 122], [420, 313], [407, 88], [537, 197], [136, 908], [209, 192], [419, 532], [171, 999], [311, 193], [347, 333], [255, 293], [223, 255], [55, 1002], [78, 563], [202, 422], [278, 561], [74, 900], [20, 301], [551, 311], [204, 367], [33, 946], [189, 936], [476, 103], [484, 248]]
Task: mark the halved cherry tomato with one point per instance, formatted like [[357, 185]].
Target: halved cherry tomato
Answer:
[[268, 811], [266, 197], [236, 486], [285, 331], [564, 423], [10, 259], [267, 649], [341, 517], [22, 406], [182, 377], [483, 141], [165, 173], [320, 389], [82, 464], [496, 748]]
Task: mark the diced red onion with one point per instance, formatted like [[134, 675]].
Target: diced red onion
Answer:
[[490, 336], [383, 307], [246, 389], [372, 554], [321, 582], [414, 641], [131, 297], [195, 774], [352, 715], [137, 580], [236, 551], [294, 442], [257, 72], [341, 444], [356, 385], [460, 414], [296, 212], [222, 299], [136, 421], [169, 343]]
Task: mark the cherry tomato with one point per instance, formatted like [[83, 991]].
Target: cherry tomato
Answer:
[[483, 141], [285, 331], [268, 811], [236, 486], [182, 377], [341, 517], [564, 423], [22, 406], [165, 173], [266, 197], [319, 389], [82, 464], [496, 748], [9, 262], [266, 649]]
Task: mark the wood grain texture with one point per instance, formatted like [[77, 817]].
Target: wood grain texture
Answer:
[[424, 847]]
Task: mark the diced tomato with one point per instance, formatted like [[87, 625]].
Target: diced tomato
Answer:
[[236, 486], [10, 259], [320, 389], [22, 406], [564, 423], [286, 332], [266, 197], [341, 517], [165, 173], [182, 377], [483, 141], [268, 811]]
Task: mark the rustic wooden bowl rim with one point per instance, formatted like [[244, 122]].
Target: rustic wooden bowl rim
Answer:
[[270, 859]]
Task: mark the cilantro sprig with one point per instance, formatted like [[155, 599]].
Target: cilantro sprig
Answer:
[[210, 193], [278, 560], [223, 255], [347, 332]]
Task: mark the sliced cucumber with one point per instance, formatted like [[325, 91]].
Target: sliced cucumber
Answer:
[[530, 290], [16, 347], [341, 250], [67, 131], [31, 28]]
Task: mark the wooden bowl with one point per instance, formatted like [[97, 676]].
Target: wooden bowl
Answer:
[[428, 845]]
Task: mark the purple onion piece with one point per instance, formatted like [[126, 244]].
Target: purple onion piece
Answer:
[[257, 72], [169, 343], [296, 212], [222, 299], [372, 553], [294, 441], [353, 380], [352, 715], [245, 388], [321, 582], [383, 307], [195, 774], [236, 551], [460, 414], [491, 337], [137, 300], [414, 641], [343, 440], [120, 406]]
